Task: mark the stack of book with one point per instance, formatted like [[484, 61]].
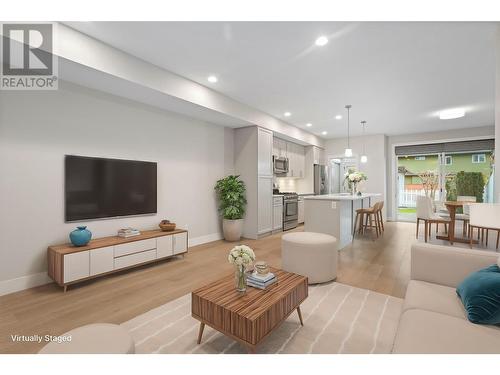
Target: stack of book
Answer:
[[261, 281], [128, 232]]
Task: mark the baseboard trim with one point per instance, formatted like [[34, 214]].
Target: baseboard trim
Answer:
[[37, 279], [24, 282], [204, 239]]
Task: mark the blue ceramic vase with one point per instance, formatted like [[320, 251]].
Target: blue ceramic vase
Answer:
[[80, 236]]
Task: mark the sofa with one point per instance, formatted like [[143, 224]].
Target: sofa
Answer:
[[433, 319]]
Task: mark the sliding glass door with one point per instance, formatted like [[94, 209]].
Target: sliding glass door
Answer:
[[417, 175], [443, 171]]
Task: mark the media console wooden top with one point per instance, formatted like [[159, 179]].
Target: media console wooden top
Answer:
[[69, 248]]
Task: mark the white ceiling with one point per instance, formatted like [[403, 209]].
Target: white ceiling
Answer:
[[396, 75]]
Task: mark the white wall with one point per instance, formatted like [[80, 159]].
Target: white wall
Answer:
[[38, 128], [375, 168], [457, 134]]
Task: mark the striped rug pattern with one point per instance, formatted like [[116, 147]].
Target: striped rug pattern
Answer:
[[337, 319]]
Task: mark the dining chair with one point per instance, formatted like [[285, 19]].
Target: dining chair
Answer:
[[484, 217], [440, 209], [426, 213], [465, 215]]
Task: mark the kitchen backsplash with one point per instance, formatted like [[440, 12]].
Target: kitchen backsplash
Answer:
[[286, 184]]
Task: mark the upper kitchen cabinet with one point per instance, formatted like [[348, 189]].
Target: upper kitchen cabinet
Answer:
[[295, 154], [265, 152], [297, 161], [318, 156], [279, 148]]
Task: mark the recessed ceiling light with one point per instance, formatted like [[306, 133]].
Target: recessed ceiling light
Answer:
[[287, 114], [321, 41], [324, 132], [309, 124], [212, 79], [338, 117], [452, 113]]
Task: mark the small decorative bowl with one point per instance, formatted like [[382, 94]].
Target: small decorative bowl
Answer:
[[262, 268], [167, 227]]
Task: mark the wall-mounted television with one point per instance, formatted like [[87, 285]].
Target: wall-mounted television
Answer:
[[98, 188]]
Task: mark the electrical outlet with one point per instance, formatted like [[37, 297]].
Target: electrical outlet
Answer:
[[334, 205]]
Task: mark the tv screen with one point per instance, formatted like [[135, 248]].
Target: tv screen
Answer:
[[99, 188]]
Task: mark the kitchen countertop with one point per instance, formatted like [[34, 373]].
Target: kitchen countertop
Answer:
[[342, 197]]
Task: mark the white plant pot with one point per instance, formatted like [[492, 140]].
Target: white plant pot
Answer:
[[232, 229]]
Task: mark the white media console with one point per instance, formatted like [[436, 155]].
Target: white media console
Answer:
[[69, 264]]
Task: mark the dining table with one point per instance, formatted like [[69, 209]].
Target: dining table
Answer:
[[452, 206]]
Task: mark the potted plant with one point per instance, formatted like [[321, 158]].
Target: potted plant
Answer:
[[231, 193]]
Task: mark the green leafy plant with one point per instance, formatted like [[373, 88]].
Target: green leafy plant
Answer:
[[451, 189], [470, 184], [231, 192]]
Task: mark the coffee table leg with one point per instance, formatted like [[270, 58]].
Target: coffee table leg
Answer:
[[300, 316], [200, 332]]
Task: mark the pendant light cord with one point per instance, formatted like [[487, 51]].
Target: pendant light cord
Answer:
[[348, 107], [364, 140]]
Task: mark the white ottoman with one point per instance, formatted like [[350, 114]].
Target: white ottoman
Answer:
[[310, 254], [101, 338]]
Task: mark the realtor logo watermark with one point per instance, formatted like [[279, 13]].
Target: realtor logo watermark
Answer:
[[28, 62]]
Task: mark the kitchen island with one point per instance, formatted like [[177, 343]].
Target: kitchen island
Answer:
[[334, 214]]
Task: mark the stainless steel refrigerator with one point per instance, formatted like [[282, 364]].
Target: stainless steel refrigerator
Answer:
[[326, 179]]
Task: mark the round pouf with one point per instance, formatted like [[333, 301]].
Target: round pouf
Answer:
[[101, 338], [310, 254]]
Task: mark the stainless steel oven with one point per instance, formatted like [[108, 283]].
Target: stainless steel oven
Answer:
[[280, 165], [290, 210]]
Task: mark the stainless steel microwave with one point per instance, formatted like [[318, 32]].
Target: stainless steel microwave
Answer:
[[280, 165]]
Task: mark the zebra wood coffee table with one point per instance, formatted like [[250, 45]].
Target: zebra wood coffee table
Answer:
[[248, 317]]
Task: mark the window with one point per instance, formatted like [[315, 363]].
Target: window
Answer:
[[478, 158], [419, 157], [448, 160]]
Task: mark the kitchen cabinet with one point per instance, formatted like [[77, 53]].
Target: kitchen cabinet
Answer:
[[265, 204], [297, 161], [300, 208], [253, 162], [264, 152], [279, 147], [319, 156], [277, 213]]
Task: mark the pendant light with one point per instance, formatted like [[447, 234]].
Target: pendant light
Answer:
[[348, 150], [363, 158]]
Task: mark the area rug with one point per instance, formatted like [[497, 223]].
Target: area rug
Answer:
[[337, 319]]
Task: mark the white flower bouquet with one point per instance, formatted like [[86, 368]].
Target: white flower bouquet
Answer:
[[241, 256], [353, 178]]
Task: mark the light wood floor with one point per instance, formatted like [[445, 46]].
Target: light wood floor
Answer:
[[382, 265]]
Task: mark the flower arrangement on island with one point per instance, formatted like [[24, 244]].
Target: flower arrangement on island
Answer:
[[353, 178], [241, 256]]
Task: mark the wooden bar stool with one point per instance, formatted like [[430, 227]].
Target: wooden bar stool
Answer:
[[380, 218], [368, 218]]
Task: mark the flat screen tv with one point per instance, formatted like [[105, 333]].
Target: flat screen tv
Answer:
[[99, 188]]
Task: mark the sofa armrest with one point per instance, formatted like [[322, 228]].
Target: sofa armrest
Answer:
[[447, 265]]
